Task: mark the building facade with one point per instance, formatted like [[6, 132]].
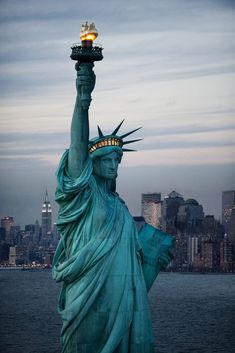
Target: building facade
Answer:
[[151, 208], [6, 223], [46, 234], [228, 203], [170, 207]]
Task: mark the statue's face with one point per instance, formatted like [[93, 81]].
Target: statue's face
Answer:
[[106, 167]]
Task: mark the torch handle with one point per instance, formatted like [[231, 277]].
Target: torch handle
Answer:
[[85, 83]]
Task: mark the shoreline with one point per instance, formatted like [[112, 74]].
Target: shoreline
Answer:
[[43, 268]]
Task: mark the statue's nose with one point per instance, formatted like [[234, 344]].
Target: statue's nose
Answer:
[[113, 165]]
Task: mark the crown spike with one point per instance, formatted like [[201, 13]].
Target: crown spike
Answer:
[[131, 141], [129, 133], [100, 132], [117, 128], [128, 150]]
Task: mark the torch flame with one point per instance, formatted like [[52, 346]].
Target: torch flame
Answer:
[[88, 36], [88, 32]]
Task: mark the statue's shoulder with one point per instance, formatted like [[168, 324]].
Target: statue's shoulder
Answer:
[[121, 200]]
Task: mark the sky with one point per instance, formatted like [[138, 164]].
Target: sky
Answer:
[[169, 66]]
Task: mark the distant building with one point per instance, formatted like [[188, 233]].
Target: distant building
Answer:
[[4, 252], [228, 202], [212, 228], [209, 255], [170, 207], [2, 234], [193, 249], [29, 228], [46, 222], [209, 225], [151, 208], [231, 231], [34, 231], [15, 235], [226, 258], [16, 255], [6, 223], [190, 217], [151, 197]]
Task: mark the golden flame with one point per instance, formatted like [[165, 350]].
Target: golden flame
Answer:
[[88, 36]]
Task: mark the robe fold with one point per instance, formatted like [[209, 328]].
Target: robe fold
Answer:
[[103, 302]]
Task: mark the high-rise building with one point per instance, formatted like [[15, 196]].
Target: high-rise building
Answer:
[[209, 227], [12, 255], [33, 230], [151, 208], [231, 230], [16, 255], [170, 207], [6, 223], [228, 202], [190, 217], [46, 221], [37, 232], [2, 234], [193, 249], [212, 229], [226, 259], [15, 234], [209, 255], [151, 197]]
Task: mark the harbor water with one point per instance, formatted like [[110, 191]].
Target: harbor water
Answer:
[[190, 313]]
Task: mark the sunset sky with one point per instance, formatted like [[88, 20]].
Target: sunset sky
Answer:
[[168, 66]]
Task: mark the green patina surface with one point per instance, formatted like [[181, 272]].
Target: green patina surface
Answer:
[[106, 267]]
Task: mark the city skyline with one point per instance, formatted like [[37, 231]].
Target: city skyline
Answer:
[[168, 67], [45, 199], [202, 243]]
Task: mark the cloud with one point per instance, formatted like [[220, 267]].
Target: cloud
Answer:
[[220, 134], [168, 67], [187, 156]]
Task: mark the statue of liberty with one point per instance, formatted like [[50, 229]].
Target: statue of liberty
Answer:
[[106, 266]]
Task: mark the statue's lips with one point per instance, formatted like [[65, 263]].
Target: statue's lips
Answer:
[[113, 174]]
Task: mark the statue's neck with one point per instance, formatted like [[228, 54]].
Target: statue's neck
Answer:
[[104, 184]]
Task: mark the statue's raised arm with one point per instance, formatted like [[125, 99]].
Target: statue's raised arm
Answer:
[[78, 150]]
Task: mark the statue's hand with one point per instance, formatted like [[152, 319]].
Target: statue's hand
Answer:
[[85, 79], [85, 84], [165, 259]]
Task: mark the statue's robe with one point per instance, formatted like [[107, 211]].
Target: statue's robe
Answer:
[[103, 302]]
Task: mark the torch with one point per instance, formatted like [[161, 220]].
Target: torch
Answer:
[[85, 53]]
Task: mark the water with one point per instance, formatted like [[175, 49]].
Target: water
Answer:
[[191, 313]]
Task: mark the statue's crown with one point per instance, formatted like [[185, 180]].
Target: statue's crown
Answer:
[[111, 140]]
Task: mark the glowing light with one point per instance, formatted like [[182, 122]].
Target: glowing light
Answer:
[[88, 32], [88, 36]]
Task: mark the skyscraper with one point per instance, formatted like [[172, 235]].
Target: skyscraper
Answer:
[[190, 217], [46, 221], [228, 202], [170, 207], [6, 223], [231, 230], [193, 249], [151, 208], [226, 258]]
